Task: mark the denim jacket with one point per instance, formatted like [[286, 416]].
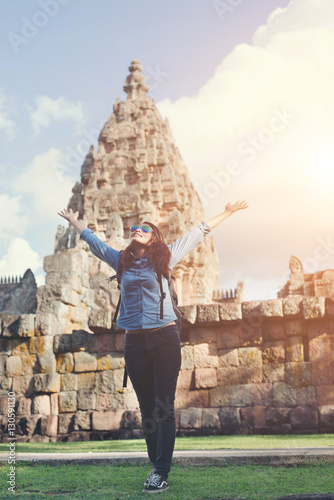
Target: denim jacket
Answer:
[[140, 290]]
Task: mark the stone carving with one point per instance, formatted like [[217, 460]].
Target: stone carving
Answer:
[[18, 296], [319, 284]]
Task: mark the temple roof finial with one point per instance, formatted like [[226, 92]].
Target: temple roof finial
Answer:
[[135, 85]]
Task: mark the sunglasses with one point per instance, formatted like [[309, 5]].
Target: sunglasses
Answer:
[[145, 229]]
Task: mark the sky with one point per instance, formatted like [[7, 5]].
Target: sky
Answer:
[[248, 91]]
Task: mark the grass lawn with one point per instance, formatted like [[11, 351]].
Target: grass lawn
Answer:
[[184, 443], [122, 482]]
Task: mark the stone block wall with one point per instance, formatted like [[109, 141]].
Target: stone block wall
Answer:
[[255, 367]]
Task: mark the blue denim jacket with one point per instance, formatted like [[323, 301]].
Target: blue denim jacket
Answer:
[[140, 290]]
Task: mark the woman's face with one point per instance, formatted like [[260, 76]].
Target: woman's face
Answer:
[[140, 233]]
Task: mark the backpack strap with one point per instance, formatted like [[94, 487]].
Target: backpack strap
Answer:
[[163, 296]]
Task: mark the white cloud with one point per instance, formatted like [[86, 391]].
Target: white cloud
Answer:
[[19, 258], [13, 222], [48, 109], [45, 180], [284, 170], [5, 122]]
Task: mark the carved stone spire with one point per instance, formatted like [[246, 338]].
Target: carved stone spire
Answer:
[[137, 174], [135, 85]]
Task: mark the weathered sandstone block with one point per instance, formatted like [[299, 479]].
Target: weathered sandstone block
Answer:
[[228, 376], [198, 399], [46, 362], [205, 378], [67, 401], [49, 425], [106, 420], [293, 306], [230, 311], [219, 396], [105, 381], [41, 405], [86, 380], [229, 419], [274, 330], [228, 357], [240, 395], [295, 328], [208, 313], [66, 423], [294, 349], [202, 334], [22, 325], [261, 394], [65, 362], [82, 421], [272, 308], [277, 416], [189, 314], [187, 357], [23, 385], [326, 415], [13, 366], [85, 362], [47, 382], [23, 406], [228, 337], [284, 395], [273, 352], [46, 324], [306, 396], [205, 356], [325, 395], [62, 343], [274, 373], [191, 418], [185, 379], [304, 418], [86, 400], [210, 418], [252, 309], [298, 374], [253, 417], [106, 342], [313, 307], [68, 382]]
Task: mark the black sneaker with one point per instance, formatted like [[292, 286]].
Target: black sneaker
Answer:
[[156, 484], [147, 482]]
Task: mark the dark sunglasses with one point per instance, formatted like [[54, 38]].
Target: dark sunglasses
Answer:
[[145, 229]]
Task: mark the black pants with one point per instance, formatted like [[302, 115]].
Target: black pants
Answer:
[[153, 361]]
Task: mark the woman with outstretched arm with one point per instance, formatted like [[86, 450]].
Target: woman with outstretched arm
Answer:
[[152, 349]]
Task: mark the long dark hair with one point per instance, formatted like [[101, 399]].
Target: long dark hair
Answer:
[[157, 251]]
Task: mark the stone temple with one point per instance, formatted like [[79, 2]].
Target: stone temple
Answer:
[[136, 174], [256, 367]]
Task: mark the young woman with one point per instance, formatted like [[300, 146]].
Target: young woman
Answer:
[[152, 348]]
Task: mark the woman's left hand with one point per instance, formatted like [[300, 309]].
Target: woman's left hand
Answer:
[[239, 205]]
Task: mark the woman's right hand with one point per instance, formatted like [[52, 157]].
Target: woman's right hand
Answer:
[[69, 215]]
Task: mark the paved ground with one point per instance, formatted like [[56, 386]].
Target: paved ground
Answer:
[[196, 457]]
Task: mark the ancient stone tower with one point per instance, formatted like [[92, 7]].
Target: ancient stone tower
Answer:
[[138, 174]]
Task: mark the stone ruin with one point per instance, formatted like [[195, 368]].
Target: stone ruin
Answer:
[[319, 284], [247, 367], [18, 295]]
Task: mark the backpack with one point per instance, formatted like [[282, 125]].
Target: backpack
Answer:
[[174, 299]]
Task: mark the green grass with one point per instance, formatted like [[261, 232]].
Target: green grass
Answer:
[[123, 482], [185, 443]]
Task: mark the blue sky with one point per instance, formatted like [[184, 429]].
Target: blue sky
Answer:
[[58, 86]]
